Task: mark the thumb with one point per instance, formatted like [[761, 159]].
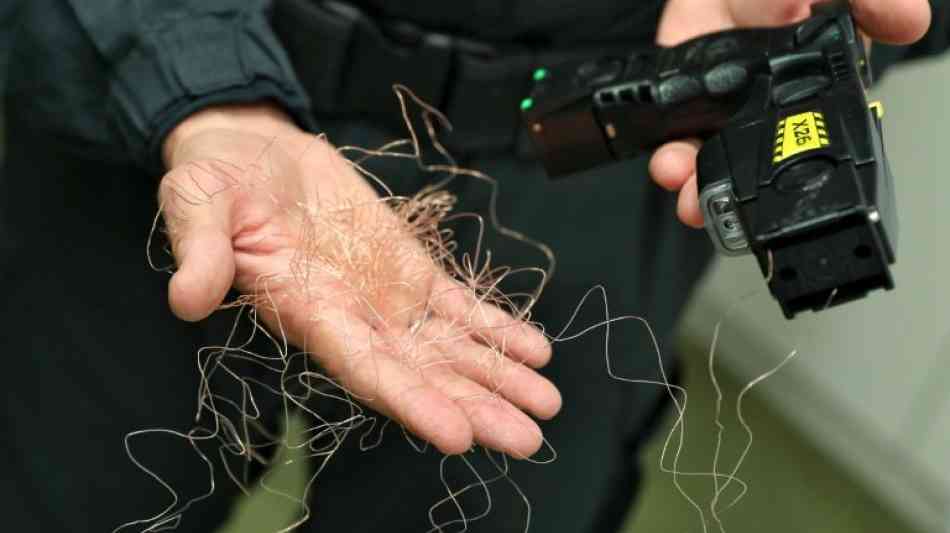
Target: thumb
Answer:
[[893, 21], [201, 244], [205, 273]]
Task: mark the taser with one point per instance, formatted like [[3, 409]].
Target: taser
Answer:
[[792, 169]]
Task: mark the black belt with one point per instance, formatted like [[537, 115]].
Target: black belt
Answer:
[[348, 63]]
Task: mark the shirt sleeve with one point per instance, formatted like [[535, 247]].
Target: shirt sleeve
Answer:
[[112, 77], [936, 41]]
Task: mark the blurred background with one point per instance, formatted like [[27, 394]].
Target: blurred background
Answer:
[[852, 436]]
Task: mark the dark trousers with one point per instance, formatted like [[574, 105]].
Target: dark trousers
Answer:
[[91, 351]]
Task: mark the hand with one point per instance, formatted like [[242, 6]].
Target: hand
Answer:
[[229, 228], [673, 166]]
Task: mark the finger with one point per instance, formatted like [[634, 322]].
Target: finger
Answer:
[[375, 371], [893, 21], [674, 162], [496, 424], [688, 207], [423, 409], [517, 383], [205, 272], [200, 234], [490, 325], [752, 13], [524, 387], [685, 19]]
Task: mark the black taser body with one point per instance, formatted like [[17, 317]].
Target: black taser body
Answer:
[[793, 168]]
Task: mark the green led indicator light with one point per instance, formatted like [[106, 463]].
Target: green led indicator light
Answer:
[[527, 104], [540, 74]]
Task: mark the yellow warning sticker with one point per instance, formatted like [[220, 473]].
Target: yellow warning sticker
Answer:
[[800, 133]]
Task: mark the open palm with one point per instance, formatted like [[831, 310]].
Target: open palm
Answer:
[[290, 223]]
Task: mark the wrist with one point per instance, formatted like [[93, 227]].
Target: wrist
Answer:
[[263, 118]]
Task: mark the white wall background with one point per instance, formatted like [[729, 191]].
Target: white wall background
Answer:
[[872, 385]]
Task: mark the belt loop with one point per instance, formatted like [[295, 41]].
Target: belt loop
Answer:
[[317, 41], [377, 62], [386, 53]]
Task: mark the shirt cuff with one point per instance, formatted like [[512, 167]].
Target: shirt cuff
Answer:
[[190, 63]]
